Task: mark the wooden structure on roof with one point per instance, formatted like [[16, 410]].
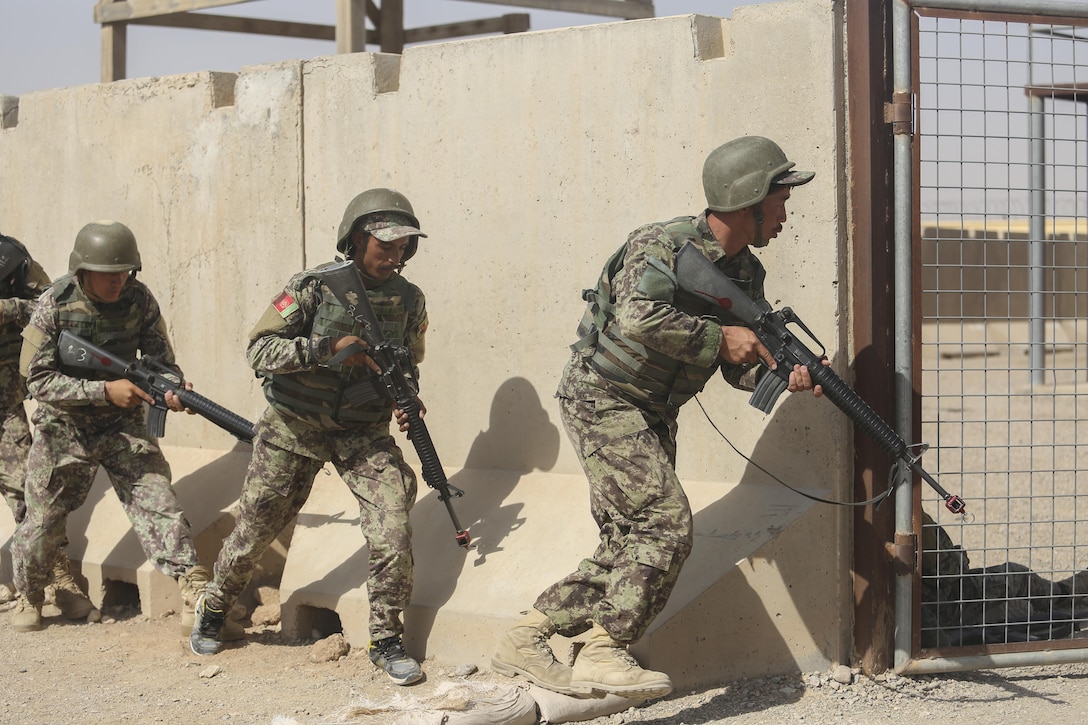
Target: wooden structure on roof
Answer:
[[350, 32]]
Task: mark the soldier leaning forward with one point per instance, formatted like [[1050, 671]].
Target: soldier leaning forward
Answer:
[[644, 351], [310, 421], [84, 421]]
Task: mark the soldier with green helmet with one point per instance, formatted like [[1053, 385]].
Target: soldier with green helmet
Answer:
[[22, 280], [310, 421], [83, 421], [645, 349]]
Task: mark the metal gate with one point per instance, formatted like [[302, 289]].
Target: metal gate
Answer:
[[996, 235]]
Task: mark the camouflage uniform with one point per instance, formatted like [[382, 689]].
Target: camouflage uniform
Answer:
[[14, 428], [646, 349], [308, 422], [78, 430]]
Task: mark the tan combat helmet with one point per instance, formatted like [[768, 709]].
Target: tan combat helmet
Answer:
[[104, 246], [388, 206]]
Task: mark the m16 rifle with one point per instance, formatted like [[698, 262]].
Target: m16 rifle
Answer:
[[344, 281], [155, 379], [697, 275]]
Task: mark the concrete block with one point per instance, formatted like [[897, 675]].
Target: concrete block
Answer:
[[105, 549]]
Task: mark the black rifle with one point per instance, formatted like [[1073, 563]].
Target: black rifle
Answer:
[[155, 379], [697, 275], [344, 281]]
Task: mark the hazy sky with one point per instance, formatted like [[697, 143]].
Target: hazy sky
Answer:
[[56, 43]]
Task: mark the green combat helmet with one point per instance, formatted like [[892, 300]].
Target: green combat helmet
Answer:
[[104, 246], [739, 173], [379, 201]]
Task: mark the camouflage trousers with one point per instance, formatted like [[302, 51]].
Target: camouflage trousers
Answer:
[[644, 519], [279, 481], [61, 469], [14, 448]]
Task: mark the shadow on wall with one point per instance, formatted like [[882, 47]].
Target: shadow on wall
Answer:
[[520, 438], [757, 519]]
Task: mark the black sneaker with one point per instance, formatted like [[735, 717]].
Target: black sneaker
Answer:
[[388, 654], [206, 637]]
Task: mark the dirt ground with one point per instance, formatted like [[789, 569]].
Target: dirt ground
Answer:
[[129, 669]]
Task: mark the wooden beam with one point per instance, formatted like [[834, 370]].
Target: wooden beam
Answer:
[[391, 28], [351, 25], [626, 9], [232, 24], [114, 52], [116, 12], [511, 23]]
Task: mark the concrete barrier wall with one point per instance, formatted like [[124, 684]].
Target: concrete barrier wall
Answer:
[[528, 159]]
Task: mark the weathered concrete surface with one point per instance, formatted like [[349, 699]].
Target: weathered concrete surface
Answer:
[[528, 159]]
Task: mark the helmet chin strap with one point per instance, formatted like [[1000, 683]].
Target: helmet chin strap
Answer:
[[757, 214]]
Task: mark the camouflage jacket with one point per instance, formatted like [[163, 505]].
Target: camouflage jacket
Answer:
[[647, 314], [283, 344], [14, 316], [79, 401]]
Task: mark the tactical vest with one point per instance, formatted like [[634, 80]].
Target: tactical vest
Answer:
[[639, 371], [319, 392], [114, 326], [11, 333]]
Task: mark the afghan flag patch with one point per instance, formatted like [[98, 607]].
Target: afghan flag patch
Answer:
[[285, 304]]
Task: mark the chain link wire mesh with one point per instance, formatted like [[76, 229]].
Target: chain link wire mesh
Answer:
[[1001, 154]]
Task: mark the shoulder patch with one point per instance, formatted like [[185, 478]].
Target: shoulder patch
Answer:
[[285, 304]]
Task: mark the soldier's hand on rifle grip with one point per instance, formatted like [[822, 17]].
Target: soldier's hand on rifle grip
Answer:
[[126, 394], [740, 345], [173, 402], [402, 417], [359, 358], [801, 379]]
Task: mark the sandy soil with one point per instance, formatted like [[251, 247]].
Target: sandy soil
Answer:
[[129, 669]]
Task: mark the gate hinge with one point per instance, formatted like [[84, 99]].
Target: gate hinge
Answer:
[[903, 552], [898, 114]]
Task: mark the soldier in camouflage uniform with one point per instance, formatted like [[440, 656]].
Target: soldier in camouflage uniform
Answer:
[[309, 421], [83, 421], [22, 280], [645, 349]]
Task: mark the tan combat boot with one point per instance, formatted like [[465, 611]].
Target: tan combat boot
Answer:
[[67, 595], [192, 584], [523, 650], [605, 665], [27, 615]]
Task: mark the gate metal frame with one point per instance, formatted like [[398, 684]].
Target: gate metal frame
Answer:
[[908, 319]]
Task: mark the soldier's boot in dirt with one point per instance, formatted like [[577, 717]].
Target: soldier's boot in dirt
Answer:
[[192, 584], [27, 614], [605, 665], [389, 656], [205, 637], [523, 650], [67, 595]]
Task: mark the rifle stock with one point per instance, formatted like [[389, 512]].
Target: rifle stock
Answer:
[[345, 282], [697, 275], [151, 377]]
